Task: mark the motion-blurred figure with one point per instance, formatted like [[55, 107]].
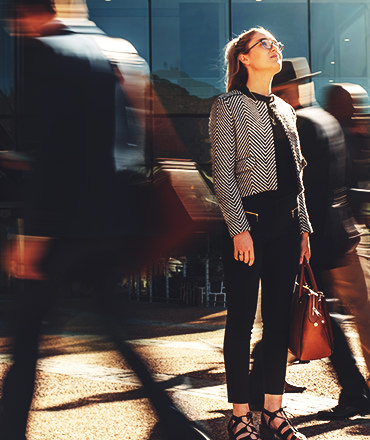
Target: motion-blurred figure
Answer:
[[333, 243], [79, 129], [349, 104]]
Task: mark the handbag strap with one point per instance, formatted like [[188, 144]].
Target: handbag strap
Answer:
[[305, 266]]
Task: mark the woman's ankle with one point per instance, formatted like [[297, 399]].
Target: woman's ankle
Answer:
[[240, 409], [273, 402]]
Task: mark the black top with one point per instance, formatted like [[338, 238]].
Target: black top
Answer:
[[285, 167]]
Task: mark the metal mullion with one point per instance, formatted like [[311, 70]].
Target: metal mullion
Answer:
[[230, 22]]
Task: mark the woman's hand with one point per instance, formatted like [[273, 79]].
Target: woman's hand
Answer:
[[243, 248], [305, 247]]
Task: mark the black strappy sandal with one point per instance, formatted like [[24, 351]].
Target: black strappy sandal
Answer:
[[246, 428], [269, 433]]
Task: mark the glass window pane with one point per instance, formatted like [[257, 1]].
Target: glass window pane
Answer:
[[182, 136], [124, 19], [340, 36], [286, 20], [187, 41], [187, 64]]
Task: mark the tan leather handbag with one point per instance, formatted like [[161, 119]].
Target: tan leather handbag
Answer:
[[310, 333]]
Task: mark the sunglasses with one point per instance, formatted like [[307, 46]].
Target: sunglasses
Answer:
[[267, 44]]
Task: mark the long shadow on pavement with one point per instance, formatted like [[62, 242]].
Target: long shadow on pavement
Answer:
[[138, 393]]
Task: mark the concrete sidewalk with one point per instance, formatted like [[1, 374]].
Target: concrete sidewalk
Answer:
[[86, 391]]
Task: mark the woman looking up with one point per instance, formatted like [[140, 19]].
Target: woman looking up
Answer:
[[257, 171]]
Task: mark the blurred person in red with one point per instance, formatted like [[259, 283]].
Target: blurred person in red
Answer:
[[79, 221], [334, 258]]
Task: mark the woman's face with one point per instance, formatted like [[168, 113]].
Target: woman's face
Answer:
[[258, 58]]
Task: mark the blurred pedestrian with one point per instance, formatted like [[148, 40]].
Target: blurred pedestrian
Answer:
[[334, 258], [257, 172], [73, 226], [349, 104]]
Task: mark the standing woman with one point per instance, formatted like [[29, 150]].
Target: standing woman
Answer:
[[257, 170]]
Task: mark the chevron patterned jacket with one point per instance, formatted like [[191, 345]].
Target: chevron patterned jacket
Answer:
[[243, 154]]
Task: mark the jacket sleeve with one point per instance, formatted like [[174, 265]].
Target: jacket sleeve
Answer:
[[304, 221], [223, 155]]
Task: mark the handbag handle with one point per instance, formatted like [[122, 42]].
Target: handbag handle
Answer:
[[302, 279]]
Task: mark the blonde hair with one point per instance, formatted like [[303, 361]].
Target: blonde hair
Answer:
[[236, 73]]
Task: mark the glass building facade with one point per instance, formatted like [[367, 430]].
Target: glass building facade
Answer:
[[183, 41]]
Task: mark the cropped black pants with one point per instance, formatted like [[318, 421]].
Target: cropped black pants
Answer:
[[276, 241]]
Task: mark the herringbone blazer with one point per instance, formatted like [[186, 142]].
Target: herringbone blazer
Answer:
[[243, 154]]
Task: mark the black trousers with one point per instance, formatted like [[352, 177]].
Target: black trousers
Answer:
[[276, 242]]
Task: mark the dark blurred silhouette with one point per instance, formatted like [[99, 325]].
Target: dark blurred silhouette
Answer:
[[350, 105], [82, 130], [335, 236]]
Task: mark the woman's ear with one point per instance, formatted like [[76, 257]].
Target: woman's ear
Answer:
[[244, 59]]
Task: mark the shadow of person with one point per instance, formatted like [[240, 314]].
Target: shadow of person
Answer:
[[138, 393]]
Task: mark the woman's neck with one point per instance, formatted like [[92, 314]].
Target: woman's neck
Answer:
[[260, 84]]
